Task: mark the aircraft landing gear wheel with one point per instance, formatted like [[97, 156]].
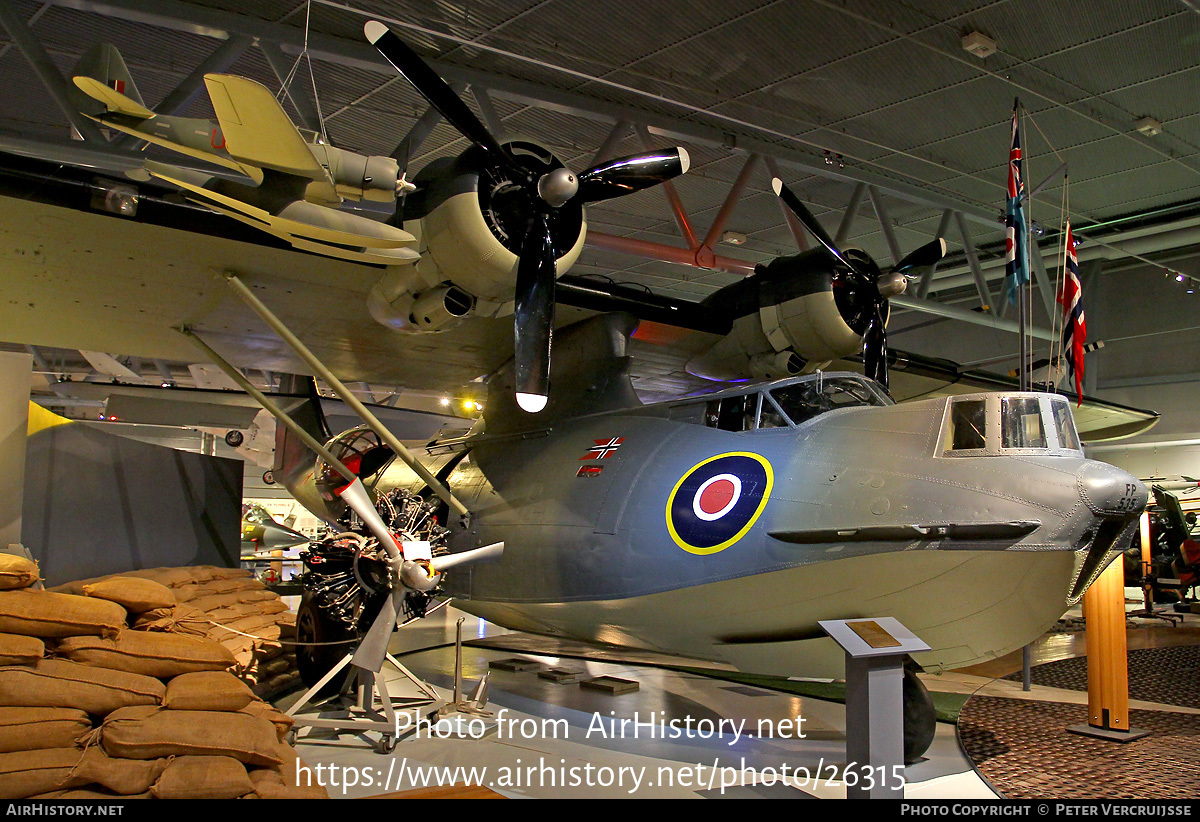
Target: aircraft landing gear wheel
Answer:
[[316, 659], [387, 744], [269, 477], [234, 438], [920, 717]]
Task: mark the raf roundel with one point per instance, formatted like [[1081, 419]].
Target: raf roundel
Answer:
[[717, 501]]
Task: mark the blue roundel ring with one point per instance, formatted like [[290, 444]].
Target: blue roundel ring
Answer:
[[718, 500]]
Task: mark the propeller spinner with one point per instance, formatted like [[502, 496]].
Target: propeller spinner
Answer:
[[863, 290], [540, 193]]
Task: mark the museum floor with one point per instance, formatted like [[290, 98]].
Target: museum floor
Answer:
[[554, 739]]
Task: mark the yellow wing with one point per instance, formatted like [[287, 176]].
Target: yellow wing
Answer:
[[258, 132]]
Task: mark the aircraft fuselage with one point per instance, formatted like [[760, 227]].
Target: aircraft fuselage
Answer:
[[974, 520]]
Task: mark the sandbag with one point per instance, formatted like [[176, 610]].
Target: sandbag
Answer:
[[228, 586], [203, 777], [20, 650], [148, 653], [182, 619], [133, 594], [89, 792], [219, 572], [121, 776], [28, 729], [28, 773], [265, 710], [65, 684], [17, 572], [152, 733], [46, 614], [207, 691]]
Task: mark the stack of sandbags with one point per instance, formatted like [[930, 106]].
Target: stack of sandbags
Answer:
[[91, 707], [231, 607]]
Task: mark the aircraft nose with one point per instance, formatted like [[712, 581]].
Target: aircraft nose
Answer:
[[1111, 492]]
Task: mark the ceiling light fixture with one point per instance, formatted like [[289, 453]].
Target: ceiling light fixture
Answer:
[[1148, 127], [978, 44]]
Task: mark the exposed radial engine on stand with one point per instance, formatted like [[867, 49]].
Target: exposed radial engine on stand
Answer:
[[346, 579]]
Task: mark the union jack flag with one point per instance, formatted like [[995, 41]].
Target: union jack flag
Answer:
[[1016, 267], [1074, 333]]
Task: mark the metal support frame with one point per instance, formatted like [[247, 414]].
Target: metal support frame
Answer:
[[850, 213], [1044, 284], [344, 394], [608, 149], [305, 106], [885, 223], [266, 402], [927, 277], [420, 131], [985, 295], [731, 200], [48, 73], [668, 188], [487, 111]]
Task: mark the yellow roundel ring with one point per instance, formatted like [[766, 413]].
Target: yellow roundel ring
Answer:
[[718, 500]]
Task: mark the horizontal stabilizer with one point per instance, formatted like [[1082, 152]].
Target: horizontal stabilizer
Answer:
[[112, 99]]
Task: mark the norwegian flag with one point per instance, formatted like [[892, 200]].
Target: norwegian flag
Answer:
[[1074, 333], [603, 448], [1015, 266]]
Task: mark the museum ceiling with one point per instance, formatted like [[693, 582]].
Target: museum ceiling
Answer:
[[873, 111]]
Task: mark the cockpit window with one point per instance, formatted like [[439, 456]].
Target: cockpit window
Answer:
[[732, 413], [968, 425], [1021, 423], [804, 400], [1065, 423]]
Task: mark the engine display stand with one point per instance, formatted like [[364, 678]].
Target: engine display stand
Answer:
[[374, 709], [875, 651]]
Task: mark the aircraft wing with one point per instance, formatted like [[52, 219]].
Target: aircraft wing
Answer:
[[98, 282], [259, 133]]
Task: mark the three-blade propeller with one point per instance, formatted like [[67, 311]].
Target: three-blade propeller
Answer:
[[544, 190], [871, 287]]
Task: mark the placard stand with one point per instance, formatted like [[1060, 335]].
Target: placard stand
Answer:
[[875, 650]]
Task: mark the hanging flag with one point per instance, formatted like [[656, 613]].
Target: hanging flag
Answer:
[[1016, 267], [1074, 333]]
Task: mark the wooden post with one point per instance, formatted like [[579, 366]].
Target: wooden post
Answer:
[[1107, 663]]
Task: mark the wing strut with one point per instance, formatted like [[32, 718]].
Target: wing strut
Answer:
[[345, 396]]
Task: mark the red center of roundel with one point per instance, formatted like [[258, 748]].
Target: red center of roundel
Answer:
[[716, 496]]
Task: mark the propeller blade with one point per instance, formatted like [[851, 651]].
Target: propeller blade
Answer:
[[875, 347], [626, 175], [810, 222], [372, 648], [533, 316], [448, 561], [438, 93], [927, 254]]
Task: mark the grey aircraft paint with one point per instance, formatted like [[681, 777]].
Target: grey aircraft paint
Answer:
[[975, 520]]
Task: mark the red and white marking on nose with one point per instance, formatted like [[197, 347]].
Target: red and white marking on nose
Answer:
[[716, 497]]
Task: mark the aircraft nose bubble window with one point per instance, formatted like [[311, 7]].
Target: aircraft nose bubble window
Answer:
[[968, 425], [1021, 423], [1065, 423]]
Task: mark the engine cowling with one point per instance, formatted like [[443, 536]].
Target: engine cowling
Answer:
[[794, 315]]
